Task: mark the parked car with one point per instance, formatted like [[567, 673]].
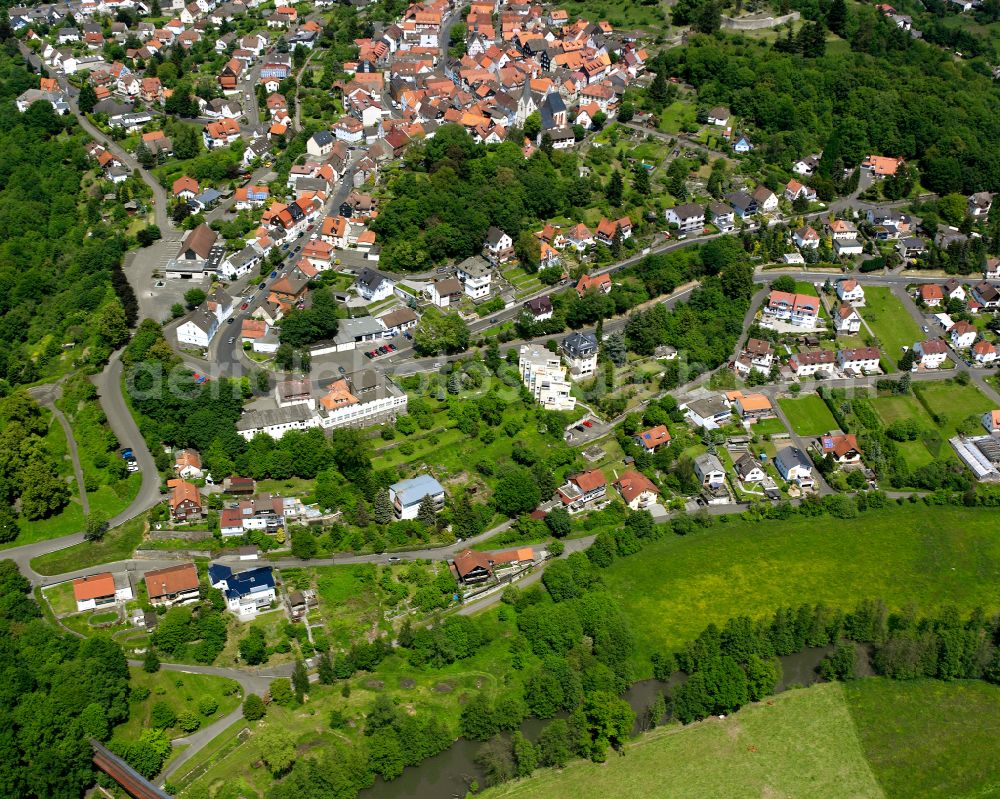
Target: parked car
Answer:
[[587, 423], [244, 306], [390, 347], [231, 339], [341, 370], [230, 320], [127, 454], [274, 275]]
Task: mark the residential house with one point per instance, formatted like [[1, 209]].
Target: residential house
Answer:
[[187, 464], [841, 229], [398, 321], [579, 237], [719, 116], [197, 328], [607, 229], [794, 466], [637, 490], [806, 238], [175, 585], [545, 378], [184, 500], [472, 568], [253, 196], [689, 217], [984, 353], [444, 293], [859, 361], [911, 247], [580, 350], [748, 469], [320, 143], [767, 200], [880, 166], [850, 290], [583, 488], [757, 355], [499, 247], [743, 204], [373, 286], [931, 294], [931, 354], [709, 470], [842, 448], [847, 248], [846, 319], [986, 294], [806, 166], [599, 283], [808, 363], [742, 144], [722, 216], [407, 495], [751, 407], [476, 275], [962, 334], [540, 308], [247, 593], [980, 203], [653, 438], [800, 310], [991, 421], [221, 133], [101, 590], [710, 413], [953, 289], [794, 190]]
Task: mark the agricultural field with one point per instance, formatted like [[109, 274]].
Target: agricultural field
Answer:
[[890, 322], [808, 415], [904, 555], [929, 738], [799, 743]]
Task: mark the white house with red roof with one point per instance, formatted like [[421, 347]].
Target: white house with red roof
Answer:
[[962, 334], [983, 352], [931, 354], [654, 438], [800, 310], [850, 290]]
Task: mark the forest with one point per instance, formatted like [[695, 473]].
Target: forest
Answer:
[[444, 210], [889, 95], [60, 276], [56, 693]]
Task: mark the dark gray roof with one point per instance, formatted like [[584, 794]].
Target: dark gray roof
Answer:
[[580, 344], [370, 279], [323, 137], [790, 457]]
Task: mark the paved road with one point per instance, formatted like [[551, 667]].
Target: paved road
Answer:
[[121, 422]]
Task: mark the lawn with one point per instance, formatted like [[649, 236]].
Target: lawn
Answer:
[[117, 544], [70, 521], [929, 738], [927, 557], [890, 322], [952, 403], [182, 691], [800, 743], [60, 597], [676, 116], [808, 415], [769, 427]]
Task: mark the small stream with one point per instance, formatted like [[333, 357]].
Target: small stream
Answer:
[[449, 773]]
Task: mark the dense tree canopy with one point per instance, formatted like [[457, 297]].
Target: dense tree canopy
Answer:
[[59, 265]]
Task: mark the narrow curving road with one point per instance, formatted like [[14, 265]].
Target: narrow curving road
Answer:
[[109, 388], [47, 395]]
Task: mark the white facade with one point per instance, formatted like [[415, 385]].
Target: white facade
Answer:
[[545, 377]]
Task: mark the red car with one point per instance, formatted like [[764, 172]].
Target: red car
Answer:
[[587, 423], [244, 306]]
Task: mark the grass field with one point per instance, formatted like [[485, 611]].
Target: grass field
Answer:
[[798, 744], [890, 322], [180, 691], [769, 427], [928, 738], [348, 601], [808, 415], [60, 597], [953, 403], [117, 544], [904, 555]]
